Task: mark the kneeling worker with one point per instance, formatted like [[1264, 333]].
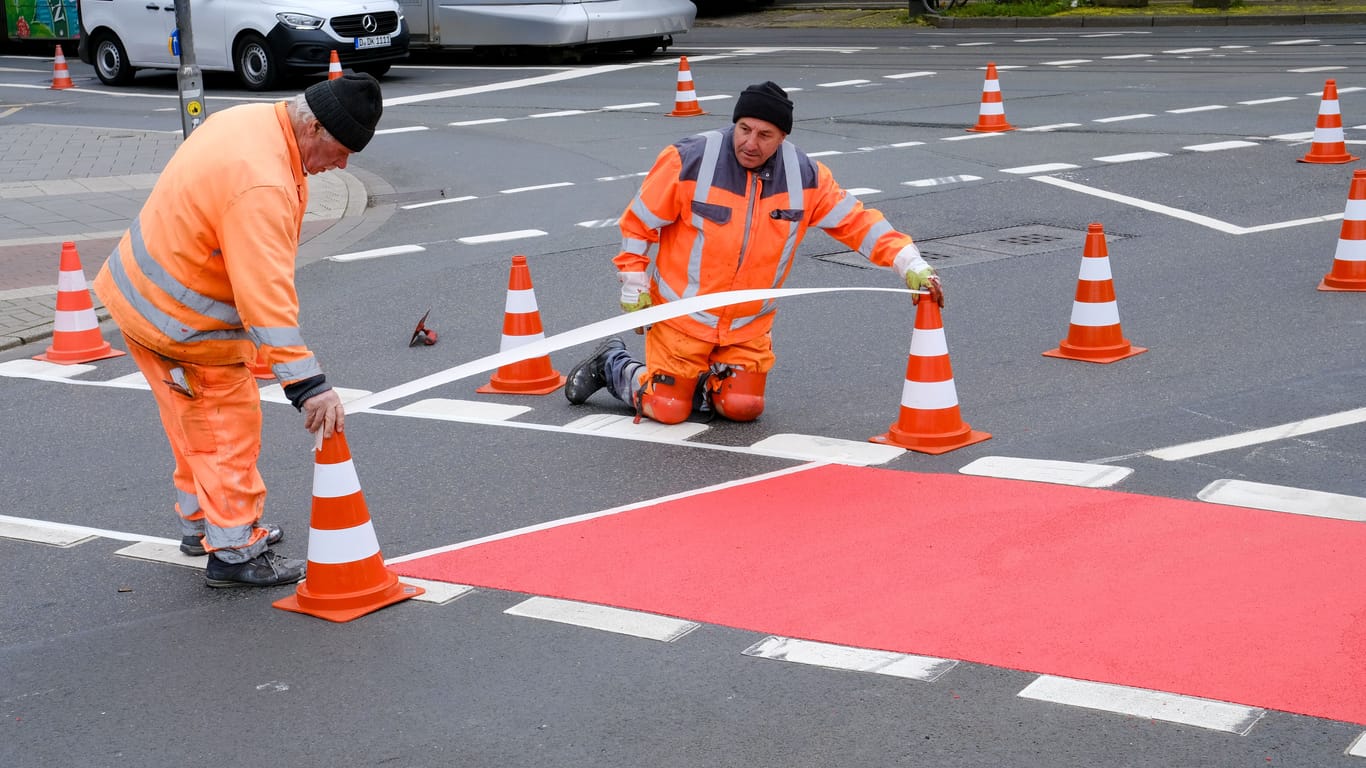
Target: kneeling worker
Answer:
[[727, 210]]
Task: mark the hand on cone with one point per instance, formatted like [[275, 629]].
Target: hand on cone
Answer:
[[925, 280]]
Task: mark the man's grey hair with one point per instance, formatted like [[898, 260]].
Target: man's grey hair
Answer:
[[303, 114]]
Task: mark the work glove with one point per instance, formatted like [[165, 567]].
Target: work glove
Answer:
[[635, 291], [925, 279]]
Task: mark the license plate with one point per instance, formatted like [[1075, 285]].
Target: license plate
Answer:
[[374, 41]]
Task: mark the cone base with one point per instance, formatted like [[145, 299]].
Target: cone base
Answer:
[[1102, 355], [542, 386], [694, 112], [351, 605], [1330, 283], [1336, 159], [56, 87], [77, 356], [931, 444], [992, 128]]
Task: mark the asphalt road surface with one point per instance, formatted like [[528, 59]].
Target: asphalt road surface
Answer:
[[790, 593]]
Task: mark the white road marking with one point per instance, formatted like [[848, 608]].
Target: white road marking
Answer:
[[1131, 157], [1305, 70], [598, 223], [1294, 42], [623, 622], [1177, 213], [1358, 748], [274, 393], [438, 592], [940, 181], [1130, 56], [1259, 436], [485, 121], [1280, 498], [970, 45], [463, 410], [832, 449], [42, 370], [1065, 62], [841, 83], [826, 153], [1188, 110], [1120, 118], [554, 77], [1036, 39], [560, 113], [1272, 100], [1188, 50], [830, 656], [408, 129], [162, 552], [1053, 127], [1152, 705], [637, 105], [1301, 136], [498, 237], [601, 513], [972, 136], [536, 187], [39, 533], [442, 201], [1045, 471], [622, 425], [904, 75], [81, 530], [1220, 145], [376, 253], [1044, 168], [623, 176], [727, 95]]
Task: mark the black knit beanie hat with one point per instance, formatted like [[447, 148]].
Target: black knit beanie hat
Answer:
[[348, 107], [765, 101]]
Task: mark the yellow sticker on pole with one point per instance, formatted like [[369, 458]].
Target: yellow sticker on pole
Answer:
[[193, 108]]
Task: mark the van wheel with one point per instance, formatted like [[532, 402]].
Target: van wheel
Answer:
[[378, 70], [255, 64], [111, 61]]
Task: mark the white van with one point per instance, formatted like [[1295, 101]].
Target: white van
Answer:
[[639, 26], [261, 40]]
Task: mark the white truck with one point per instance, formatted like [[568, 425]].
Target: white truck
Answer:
[[261, 40]]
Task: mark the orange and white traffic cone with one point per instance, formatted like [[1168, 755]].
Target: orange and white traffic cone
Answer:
[[76, 330], [991, 116], [346, 574], [61, 78], [334, 69], [685, 101], [259, 368], [1094, 334], [929, 421], [1328, 145], [522, 325], [1349, 262]]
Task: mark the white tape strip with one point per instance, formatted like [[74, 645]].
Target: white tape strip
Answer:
[[598, 330]]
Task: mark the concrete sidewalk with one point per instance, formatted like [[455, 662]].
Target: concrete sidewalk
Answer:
[[85, 185]]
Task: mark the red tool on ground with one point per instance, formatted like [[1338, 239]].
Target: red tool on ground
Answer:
[[422, 333]]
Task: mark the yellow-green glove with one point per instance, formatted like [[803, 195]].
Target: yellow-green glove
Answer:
[[635, 291], [925, 279]]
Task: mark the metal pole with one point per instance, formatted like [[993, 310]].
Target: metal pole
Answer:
[[188, 77]]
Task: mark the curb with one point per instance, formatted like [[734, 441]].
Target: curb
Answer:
[[1211, 20]]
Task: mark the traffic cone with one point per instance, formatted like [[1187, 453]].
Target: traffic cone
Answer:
[[522, 325], [259, 367], [1328, 145], [346, 574], [1094, 334], [929, 421], [685, 102], [991, 116], [1349, 262], [334, 69], [61, 78], [76, 331]]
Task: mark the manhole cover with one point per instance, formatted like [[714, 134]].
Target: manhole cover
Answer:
[[992, 245]]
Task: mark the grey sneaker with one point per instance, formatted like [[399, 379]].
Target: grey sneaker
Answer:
[[591, 375], [265, 570], [193, 545]]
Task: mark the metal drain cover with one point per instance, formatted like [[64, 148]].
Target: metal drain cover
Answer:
[[992, 245]]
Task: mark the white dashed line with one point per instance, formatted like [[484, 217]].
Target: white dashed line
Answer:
[[637, 105], [1220, 145], [1306, 70], [561, 113], [926, 668], [485, 121], [1153, 705], [598, 223], [553, 185], [1131, 157], [1188, 110], [1292, 42], [1188, 50], [499, 237], [376, 253], [1259, 436], [727, 96], [973, 136], [1044, 471], [969, 45], [443, 409], [1065, 62], [1044, 168], [1053, 127], [601, 617], [1120, 118], [39, 533], [856, 191], [1273, 100], [905, 75], [841, 83], [1036, 40], [408, 129], [442, 201], [1280, 498], [1130, 56], [825, 153], [623, 176], [940, 181]]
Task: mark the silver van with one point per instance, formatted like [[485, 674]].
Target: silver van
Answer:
[[639, 26]]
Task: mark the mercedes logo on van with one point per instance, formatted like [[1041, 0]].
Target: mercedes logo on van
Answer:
[[369, 23]]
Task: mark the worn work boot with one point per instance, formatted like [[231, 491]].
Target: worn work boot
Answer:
[[193, 545], [591, 375], [265, 570]]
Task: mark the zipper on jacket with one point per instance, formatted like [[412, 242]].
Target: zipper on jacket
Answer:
[[749, 217]]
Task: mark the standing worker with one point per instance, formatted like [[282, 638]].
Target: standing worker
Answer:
[[202, 278], [727, 210]]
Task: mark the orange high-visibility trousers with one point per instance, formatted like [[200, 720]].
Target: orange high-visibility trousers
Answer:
[[682, 358], [212, 418]]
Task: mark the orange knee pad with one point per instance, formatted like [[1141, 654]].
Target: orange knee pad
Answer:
[[667, 397], [740, 395]]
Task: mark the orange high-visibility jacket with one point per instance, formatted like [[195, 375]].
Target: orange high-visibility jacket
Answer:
[[722, 227], [205, 274]]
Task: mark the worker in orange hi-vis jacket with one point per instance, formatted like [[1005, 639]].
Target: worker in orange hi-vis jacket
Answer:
[[203, 278], [727, 210]]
